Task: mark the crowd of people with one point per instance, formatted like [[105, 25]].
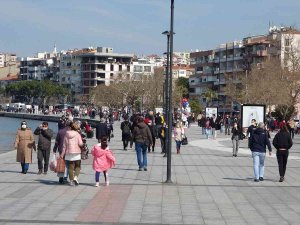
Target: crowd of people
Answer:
[[144, 131]]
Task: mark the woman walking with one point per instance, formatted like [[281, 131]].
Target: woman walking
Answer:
[[24, 143], [178, 133], [282, 142], [236, 136], [72, 153]]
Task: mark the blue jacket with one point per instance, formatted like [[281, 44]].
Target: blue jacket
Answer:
[[259, 140]]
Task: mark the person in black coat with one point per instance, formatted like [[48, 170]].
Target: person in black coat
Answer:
[[282, 142], [153, 133], [237, 135], [101, 130], [258, 142], [126, 132]]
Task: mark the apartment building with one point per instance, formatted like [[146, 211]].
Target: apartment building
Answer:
[[44, 66], [236, 58], [142, 67], [102, 66], [7, 59]]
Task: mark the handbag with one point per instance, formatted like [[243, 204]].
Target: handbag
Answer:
[[53, 163], [60, 166], [184, 140], [84, 152]]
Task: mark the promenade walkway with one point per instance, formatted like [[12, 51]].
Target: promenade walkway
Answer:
[[209, 187]]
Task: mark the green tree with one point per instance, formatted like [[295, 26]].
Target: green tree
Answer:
[[209, 95], [195, 105], [184, 84]]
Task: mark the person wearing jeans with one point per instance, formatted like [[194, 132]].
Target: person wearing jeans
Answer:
[[236, 135], [142, 137], [258, 142], [282, 142]]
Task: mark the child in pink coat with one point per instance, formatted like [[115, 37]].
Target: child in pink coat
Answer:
[[103, 160]]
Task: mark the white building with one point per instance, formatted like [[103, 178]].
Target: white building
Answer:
[[44, 66], [7, 59], [143, 66]]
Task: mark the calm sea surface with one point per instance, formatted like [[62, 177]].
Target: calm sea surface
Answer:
[[8, 129]]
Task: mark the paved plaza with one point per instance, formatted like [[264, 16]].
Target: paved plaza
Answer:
[[209, 187]]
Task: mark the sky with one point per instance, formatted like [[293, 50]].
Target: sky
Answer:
[[135, 26]]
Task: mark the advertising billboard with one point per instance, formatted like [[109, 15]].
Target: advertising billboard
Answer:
[[209, 111], [251, 111]]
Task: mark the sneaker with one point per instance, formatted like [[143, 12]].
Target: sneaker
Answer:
[[76, 181], [256, 180], [145, 169], [72, 183], [25, 171], [45, 173], [61, 180], [106, 183], [140, 169], [97, 184], [281, 179], [40, 172], [261, 179]]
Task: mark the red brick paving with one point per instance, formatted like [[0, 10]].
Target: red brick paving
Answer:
[[107, 205]]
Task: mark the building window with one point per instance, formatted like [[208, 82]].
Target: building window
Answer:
[[128, 68], [147, 69], [120, 67], [111, 67], [287, 42], [138, 69]]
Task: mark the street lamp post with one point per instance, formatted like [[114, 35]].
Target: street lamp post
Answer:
[[166, 82], [170, 108]]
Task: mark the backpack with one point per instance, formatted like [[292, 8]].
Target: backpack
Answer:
[[126, 129]]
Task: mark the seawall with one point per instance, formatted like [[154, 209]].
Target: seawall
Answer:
[[49, 118]]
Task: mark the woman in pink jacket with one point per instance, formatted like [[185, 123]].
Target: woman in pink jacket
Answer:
[[72, 153], [103, 160]]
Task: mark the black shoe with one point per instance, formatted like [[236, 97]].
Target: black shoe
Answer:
[[281, 179], [145, 169], [261, 179], [140, 169], [61, 180], [256, 180], [40, 172], [25, 171], [235, 155]]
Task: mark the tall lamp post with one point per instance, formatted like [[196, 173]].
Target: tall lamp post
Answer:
[[170, 108], [166, 82]]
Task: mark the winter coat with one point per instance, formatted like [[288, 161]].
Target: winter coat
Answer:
[[236, 132], [141, 134], [59, 140], [24, 143], [45, 136], [101, 130], [126, 136], [259, 140], [103, 158], [178, 133], [72, 143], [282, 140]]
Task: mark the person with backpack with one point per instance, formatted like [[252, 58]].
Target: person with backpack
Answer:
[[142, 138], [126, 132], [101, 130]]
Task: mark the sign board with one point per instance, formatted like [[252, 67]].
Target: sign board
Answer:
[[159, 110], [252, 111], [210, 111]]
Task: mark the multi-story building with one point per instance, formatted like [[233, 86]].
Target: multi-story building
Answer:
[[237, 58], [181, 58], [143, 66], [44, 66], [102, 66], [7, 59]]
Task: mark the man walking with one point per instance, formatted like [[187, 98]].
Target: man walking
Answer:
[[258, 142], [141, 135], [101, 130], [44, 146]]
